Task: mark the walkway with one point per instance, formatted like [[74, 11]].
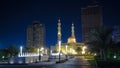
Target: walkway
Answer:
[[79, 60]]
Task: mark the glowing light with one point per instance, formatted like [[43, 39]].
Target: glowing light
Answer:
[[11, 62], [73, 51], [41, 54], [38, 50], [83, 49], [3, 57], [56, 54], [50, 51], [95, 54], [59, 46], [46, 51], [59, 33], [28, 54], [115, 56], [83, 52], [42, 49], [21, 49], [66, 49]]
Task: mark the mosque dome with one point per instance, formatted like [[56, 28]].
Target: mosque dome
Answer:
[[71, 40]]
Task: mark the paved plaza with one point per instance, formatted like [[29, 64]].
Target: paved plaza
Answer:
[[76, 62]]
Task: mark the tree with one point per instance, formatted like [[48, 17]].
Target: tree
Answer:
[[12, 50], [114, 49], [4, 52], [101, 40], [78, 50], [31, 49]]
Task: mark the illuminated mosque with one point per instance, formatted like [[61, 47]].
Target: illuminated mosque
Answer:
[[71, 47]]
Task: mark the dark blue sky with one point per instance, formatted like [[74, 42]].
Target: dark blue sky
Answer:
[[16, 15]]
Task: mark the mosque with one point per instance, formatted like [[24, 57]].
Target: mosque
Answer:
[[71, 47]]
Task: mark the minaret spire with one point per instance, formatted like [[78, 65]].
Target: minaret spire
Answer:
[[59, 30], [72, 38], [73, 35]]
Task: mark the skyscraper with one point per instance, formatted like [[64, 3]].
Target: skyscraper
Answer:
[[116, 34], [36, 35], [91, 17]]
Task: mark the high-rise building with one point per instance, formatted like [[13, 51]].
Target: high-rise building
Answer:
[[116, 34], [36, 35], [91, 17]]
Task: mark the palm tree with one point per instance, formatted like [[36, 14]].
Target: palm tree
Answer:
[[101, 40]]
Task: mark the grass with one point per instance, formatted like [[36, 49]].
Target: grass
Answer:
[[89, 57], [92, 62], [108, 63]]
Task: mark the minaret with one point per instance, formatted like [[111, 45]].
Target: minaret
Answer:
[[72, 32], [59, 30], [72, 38]]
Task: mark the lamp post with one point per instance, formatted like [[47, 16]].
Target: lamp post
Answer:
[[66, 52], [21, 50], [41, 50], [46, 51], [59, 43], [39, 54]]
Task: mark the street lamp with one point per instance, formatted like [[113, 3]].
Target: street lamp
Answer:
[[46, 51], [66, 52], [41, 50], [39, 54], [70, 51], [21, 50], [59, 43]]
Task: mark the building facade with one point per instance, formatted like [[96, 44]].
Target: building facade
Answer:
[[91, 18], [71, 46], [36, 35], [116, 34]]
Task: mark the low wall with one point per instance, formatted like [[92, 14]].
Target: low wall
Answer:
[[20, 60]]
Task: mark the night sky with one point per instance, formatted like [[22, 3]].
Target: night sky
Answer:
[[16, 15]]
